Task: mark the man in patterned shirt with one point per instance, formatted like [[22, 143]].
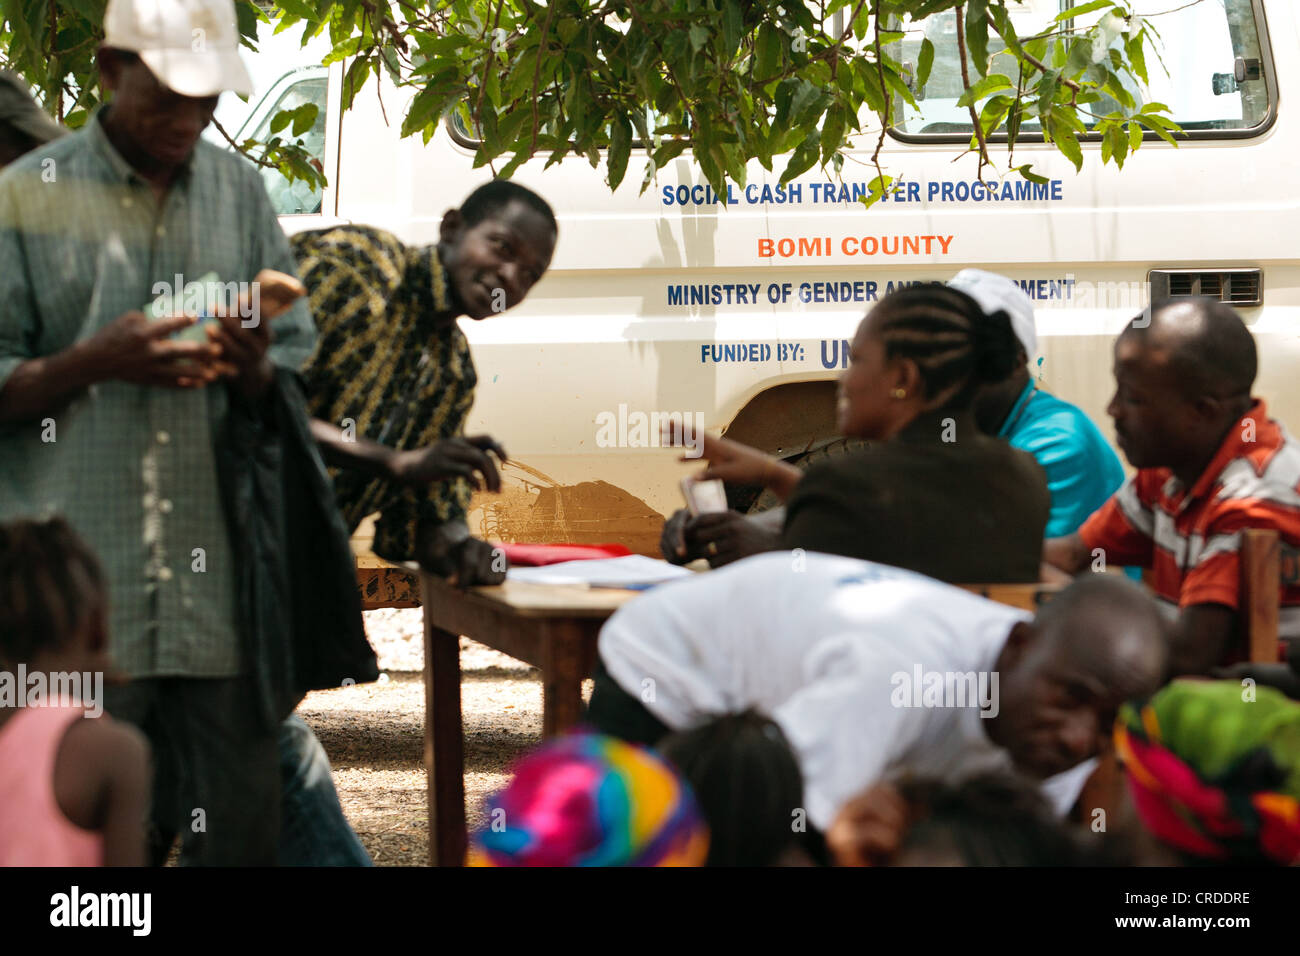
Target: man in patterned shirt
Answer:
[[1211, 463], [391, 381]]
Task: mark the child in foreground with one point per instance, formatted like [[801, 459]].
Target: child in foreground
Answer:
[[589, 800], [747, 782], [1213, 768], [74, 787], [991, 819]]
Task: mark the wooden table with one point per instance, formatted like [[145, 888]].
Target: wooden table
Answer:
[[552, 627]]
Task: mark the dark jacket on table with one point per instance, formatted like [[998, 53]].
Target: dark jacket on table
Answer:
[[967, 511]]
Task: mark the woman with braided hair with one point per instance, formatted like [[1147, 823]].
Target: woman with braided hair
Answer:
[[933, 493]]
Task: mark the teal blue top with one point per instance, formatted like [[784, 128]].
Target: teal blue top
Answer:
[[1082, 470]]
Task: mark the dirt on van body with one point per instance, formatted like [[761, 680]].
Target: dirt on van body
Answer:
[[374, 735]]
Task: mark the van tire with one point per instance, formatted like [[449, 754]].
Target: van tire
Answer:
[[832, 449]]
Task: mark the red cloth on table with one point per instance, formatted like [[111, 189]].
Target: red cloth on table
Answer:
[[533, 555]]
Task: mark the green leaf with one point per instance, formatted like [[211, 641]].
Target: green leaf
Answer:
[[1007, 30], [1028, 173], [767, 52], [977, 34], [801, 161], [304, 118], [1160, 131], [1080, 57], [699, 36], [924, 63], [354, 79], [895, 80], [342, 51], [990, 84], [1135, 47], [873, 94], [876, 190], [620, 145], [806, 103], [280, 120], [832, 136], [488, 130], [669, 150], [1068, 143], [733, 26], [1015, 117], [1121, 95], [509, 128], [421, 111], [1120, 147], [1134, 137], [90, 10], [518, 159], [298, 8], [1083, 10], [994, 112], [1067, 117]]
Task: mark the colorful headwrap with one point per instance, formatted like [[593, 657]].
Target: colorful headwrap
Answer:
[[590, 800], [1215, 773]]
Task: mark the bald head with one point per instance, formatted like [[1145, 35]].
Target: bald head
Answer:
[[1111, 628], [1207, 347], [1065, 674]]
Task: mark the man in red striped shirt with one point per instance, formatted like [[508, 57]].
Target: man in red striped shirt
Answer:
[[1210, 462]]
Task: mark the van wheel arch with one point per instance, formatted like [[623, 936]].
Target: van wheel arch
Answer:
[[794, 422]]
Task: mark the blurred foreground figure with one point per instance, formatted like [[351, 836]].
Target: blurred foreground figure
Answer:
[[872, 672], [1214, 770], [747, 782], [122, 425], [989, 820], [74, 783], [588, 800]]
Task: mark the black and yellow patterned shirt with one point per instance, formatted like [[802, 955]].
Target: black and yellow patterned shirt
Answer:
[[382, 363]]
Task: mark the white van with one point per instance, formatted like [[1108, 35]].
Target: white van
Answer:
[[737, 313]]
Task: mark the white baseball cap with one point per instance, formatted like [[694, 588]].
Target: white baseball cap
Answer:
[[190, 46], [994, 292]]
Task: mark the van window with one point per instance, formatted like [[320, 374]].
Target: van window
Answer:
[[298, 197], [1207, 66]]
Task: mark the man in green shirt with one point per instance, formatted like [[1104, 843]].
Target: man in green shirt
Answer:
[[109, 420]]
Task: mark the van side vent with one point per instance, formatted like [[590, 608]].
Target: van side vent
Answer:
[[1239, 287]]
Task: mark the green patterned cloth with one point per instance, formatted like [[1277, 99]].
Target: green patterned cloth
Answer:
[[1214, 769]]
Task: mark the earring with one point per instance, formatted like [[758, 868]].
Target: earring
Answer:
[[899, 393]]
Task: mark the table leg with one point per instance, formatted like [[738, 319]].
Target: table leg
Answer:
[[444, 743], [565, 664]]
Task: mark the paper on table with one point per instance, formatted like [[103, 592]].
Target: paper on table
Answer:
[[633, 571]]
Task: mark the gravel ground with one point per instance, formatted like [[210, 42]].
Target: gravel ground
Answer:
[[374, 734]]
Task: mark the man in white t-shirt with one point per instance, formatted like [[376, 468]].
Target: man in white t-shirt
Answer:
[[874, 672]]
